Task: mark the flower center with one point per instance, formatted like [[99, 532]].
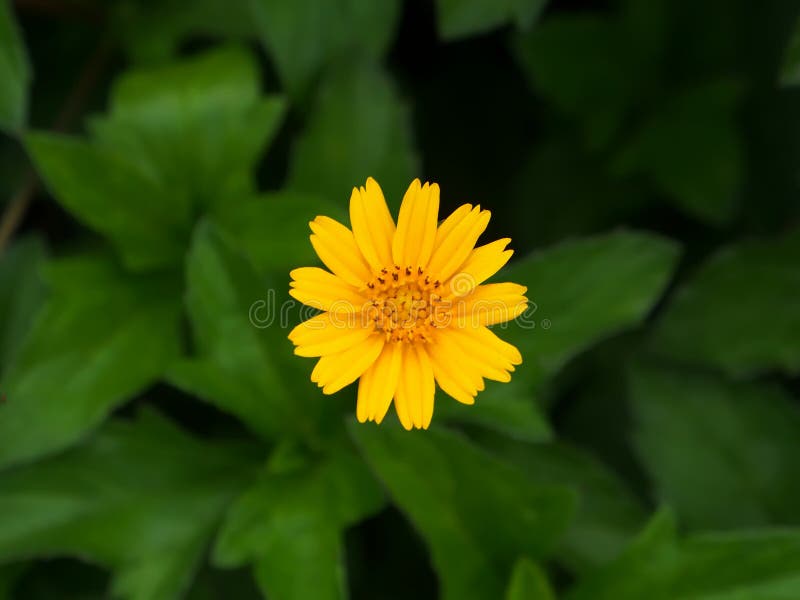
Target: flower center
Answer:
[[406, 304]]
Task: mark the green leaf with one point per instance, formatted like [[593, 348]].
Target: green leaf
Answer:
[[732, 313], [110, 194], [359, 128], [587, 290], [646, 567], [303, 36], [529, 582], [102, 337], [476, 513], [141, 497], [463, 18], [291, 525], [21, 294], [581, 292], [692, 149], [14, 72], [243, 360], [519, 418], [273, 229], [197, 126], [608, 514], [704, 441], [757, 565], [688, 143], [790, 73]]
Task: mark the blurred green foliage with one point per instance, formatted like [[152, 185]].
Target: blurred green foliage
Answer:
[[158, 439], [14, 72]]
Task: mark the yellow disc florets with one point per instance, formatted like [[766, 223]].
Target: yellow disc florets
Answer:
[[406, 304]]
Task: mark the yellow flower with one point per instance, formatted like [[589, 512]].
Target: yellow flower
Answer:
[[403, 308]]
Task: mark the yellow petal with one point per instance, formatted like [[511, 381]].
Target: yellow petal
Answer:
[[495, 357], [373, 226], [389, 376], [487, 339], [401, 403], [335, 371], [416, 225], [475, 359], [457, 245], [452, 363], [412, 381], [401, 234], [322, 290], [452, 381], [490, 304], [449, 224], [428, 389], [337, 248], [365, 388], [481, 264], [379, 383], [417, 385], [330, 333]]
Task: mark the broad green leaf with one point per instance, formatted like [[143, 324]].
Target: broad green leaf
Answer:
[[688, 144], [243, 360], [581, 292], [758, 565], [790, 73], [14, 72], [291, 524], [359, 128], [519, 418], [21, 294], [273, 229], [608, 514], [109, 193], [154, 31], [477, 514], [303, 36], [693, 151], [529, 582], [102, 337], [197, 126], [704, 441], [735, 311], [462, 18], [140, 497], [644, 570], [585, 290]]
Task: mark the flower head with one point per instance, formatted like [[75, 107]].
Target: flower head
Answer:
[[403, 305]]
